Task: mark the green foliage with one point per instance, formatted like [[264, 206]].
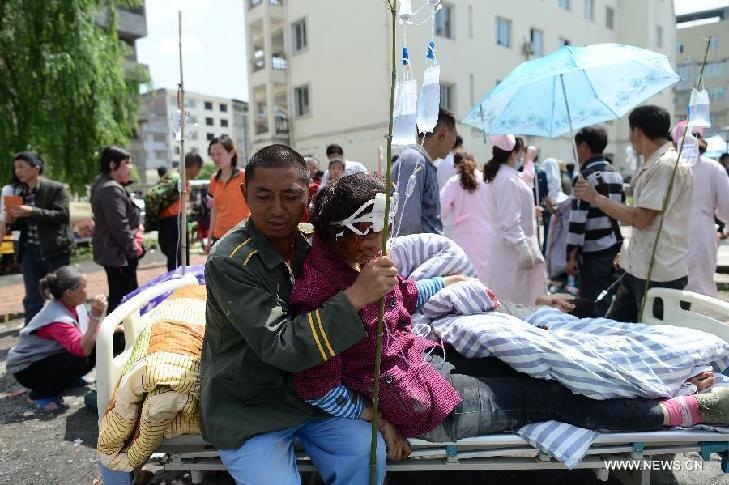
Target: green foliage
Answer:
[[207, 171], [66, 88]]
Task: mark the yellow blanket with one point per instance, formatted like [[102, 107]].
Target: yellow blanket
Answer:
[[157, 395]]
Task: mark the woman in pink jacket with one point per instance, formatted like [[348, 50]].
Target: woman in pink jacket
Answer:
[[428, 391], [516, 270], [463, 210]]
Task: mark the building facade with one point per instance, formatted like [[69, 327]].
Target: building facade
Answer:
[[210, 117], [693, 30], [319, 71]]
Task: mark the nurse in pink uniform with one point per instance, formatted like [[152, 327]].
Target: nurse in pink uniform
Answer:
[[516, 270]]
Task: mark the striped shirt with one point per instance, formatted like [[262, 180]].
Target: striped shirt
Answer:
[[590, 228], [29, 196]]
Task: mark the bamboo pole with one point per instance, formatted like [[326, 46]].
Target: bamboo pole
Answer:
[[392, 7], [183, 176], [667, 198]]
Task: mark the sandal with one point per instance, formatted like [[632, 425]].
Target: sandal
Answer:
[[47, 404]]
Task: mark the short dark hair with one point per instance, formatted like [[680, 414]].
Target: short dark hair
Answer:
[[341, 199], [723, 156], [32, 159], [337, 161], [334, 149], [193, 159], [277, 156], [459, 141], [228, 144], [594, 136], [161, 171], [445, 119], [654, 121], [112, 154]]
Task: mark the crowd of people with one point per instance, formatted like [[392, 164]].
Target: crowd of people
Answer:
[[290, 333]]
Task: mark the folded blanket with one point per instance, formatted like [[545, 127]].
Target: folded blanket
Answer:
[[157, 394]]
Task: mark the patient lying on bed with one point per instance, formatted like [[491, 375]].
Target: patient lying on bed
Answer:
[[424, 391]]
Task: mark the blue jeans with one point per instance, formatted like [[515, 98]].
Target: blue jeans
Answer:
[[113, 477], [35, 267], [338, 447]]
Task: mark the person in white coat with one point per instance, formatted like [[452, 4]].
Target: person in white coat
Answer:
[[463, 205], [711, 198], [515, 270]]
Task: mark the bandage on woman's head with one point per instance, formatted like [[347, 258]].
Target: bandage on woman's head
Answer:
[[338, 202]]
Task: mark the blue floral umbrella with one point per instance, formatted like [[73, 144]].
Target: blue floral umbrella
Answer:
[[571, 88]]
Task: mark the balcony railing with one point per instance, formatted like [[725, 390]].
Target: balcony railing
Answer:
[[274, 3], [279, 62]]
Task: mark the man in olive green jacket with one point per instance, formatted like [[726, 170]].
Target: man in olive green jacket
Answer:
[[249, 410]]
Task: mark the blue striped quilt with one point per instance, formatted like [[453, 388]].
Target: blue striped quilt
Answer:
[[597, 357]]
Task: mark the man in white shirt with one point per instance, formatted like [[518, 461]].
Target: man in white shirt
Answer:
[[446, 167], [649, 127], [335, 152]]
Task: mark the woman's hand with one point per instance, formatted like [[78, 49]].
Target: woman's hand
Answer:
[[561, 304], [98, 307], [398, 447]]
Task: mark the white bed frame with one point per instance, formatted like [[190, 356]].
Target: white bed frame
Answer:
[[491, 452]]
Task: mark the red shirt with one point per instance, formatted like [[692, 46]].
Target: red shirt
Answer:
[[65, 334], [413, 395]]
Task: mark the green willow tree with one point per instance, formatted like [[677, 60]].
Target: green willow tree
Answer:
[[66, 86]]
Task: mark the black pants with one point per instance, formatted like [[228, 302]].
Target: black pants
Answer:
[[169, 242], [50, 376], [121, 280], [505, 404], [630, 295], [35, 267], [596, 275]]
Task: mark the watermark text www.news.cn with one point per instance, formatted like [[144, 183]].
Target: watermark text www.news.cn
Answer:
[[654, 465]]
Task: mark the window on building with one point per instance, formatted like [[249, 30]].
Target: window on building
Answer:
[[564, 4], [177, 150], [208, 105], [209, 122], [503, 32], [160, 155], [679, 48], [686, 72], [448, 96], [193, 120], [223, 123], [610, 18], [223, 108], [714, 43], [444, 22], [589, 9], [159, 137], [537, 42], [298, 33], [563, 42], [659, 36], [715, 69], [301, 100], [191, 103], [210, 136], [717, 94]]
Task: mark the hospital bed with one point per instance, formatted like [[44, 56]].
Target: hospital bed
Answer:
[[493, 452]]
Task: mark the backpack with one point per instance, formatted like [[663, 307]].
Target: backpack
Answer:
[[158, 198]]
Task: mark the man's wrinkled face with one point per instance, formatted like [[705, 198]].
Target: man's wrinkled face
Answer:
[[277, 198]]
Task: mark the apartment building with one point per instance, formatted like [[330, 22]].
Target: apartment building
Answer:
[[210, 116], [693, 32], [319, 71]]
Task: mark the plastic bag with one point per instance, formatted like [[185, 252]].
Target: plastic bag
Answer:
[[403, 126], [429, 101], [699, 109]]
